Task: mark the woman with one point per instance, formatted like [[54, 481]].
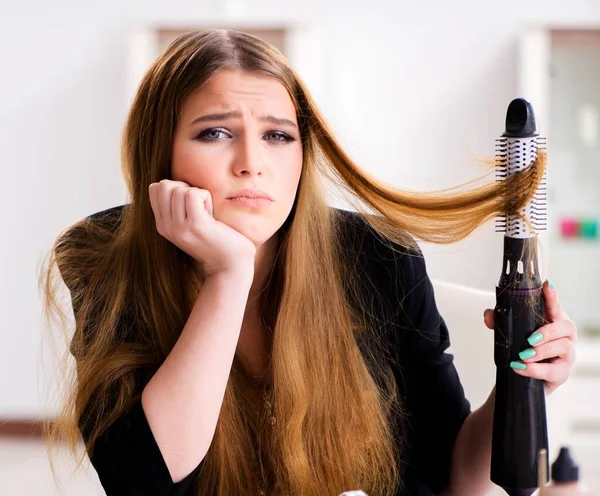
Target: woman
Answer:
[[235, 335]]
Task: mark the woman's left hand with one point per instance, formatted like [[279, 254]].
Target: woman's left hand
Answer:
[[554, 341]]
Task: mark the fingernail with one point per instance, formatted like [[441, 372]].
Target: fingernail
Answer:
[[551, 284], [484, 313], [529, 353], [518, 365], [535, 338]]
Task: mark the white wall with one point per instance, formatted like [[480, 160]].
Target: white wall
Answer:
[[575, 156], [414, 92]]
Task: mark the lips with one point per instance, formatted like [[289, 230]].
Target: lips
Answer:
[[250, 202], [253, 194]]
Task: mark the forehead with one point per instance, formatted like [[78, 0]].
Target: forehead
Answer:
[[248, 92]]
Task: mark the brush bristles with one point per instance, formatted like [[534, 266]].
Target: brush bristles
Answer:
[[510, 158]]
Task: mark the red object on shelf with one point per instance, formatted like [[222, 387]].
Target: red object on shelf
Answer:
[[569, 228]]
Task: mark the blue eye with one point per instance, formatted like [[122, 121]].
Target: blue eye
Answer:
[[280, 137], [213, 134]]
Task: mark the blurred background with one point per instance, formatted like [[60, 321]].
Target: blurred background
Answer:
[[416, 92]]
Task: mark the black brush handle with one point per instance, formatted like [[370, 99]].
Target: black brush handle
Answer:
[[520, 426]]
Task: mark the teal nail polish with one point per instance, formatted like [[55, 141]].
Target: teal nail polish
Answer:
[[551, 285], [529, 353], [535, 338], [518, 365]]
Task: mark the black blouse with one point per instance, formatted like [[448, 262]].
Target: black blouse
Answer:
[[129, 462]]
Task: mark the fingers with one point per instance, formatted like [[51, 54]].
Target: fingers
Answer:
[[164, 200], [552, 346], [554, 343], [562, 348], [208, 203], [161, 200], [552, 306], [197, 201], [550, 332], [153, 194], [488, 318], [553, 309], [178, 208], [554, 373]]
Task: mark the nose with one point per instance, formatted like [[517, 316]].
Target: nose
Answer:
[[249, 159]]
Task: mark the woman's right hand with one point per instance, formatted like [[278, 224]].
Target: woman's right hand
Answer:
[[183, 215]]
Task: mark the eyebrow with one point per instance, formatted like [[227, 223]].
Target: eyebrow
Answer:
[[222, 116]]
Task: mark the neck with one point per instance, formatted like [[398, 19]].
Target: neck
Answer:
[[254, 345], [263, 263]]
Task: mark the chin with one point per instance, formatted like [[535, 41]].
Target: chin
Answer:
[[256, 229]]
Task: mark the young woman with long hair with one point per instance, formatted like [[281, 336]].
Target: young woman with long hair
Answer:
[[235, 335]]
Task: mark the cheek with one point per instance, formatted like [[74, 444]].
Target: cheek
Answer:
[[290, 177], [296, 175], [192, 166]]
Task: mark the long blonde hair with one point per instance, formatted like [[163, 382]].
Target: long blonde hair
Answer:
[[132, 292]]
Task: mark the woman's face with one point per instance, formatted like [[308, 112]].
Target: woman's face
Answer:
[[239, 131]]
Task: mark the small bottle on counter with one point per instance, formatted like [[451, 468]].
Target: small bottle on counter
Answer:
[[565, 478]]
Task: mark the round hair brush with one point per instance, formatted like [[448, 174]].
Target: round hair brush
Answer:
[[520, 427]]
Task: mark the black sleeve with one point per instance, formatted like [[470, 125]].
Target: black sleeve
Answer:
[[129, 462], [126, 456], [434, 397]]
